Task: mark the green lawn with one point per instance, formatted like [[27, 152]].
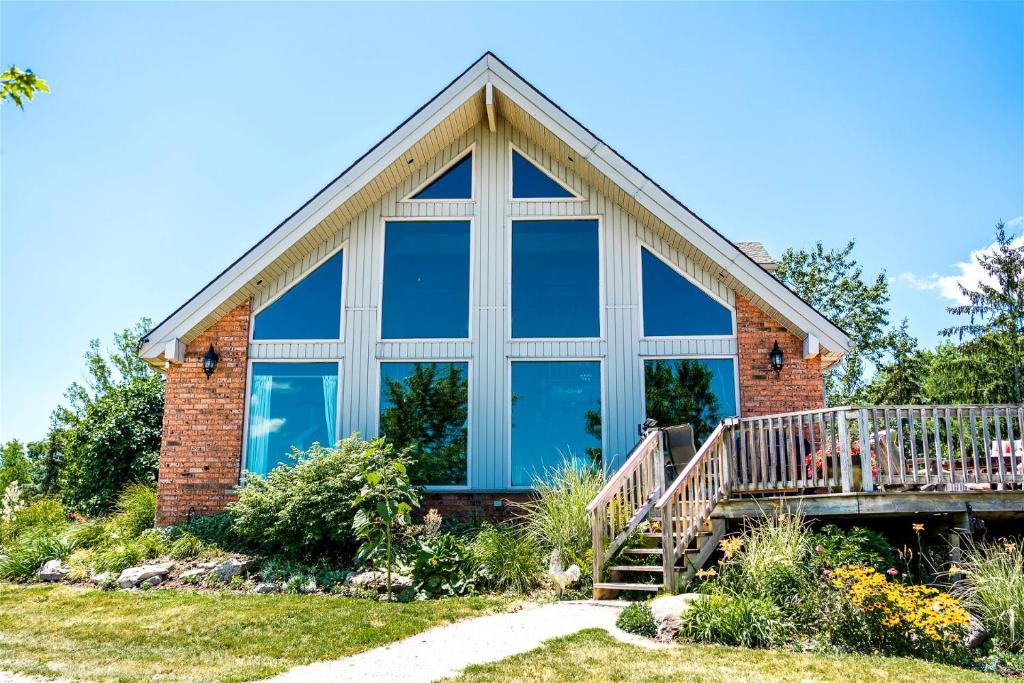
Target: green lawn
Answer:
[[186, 636], [593, 655]]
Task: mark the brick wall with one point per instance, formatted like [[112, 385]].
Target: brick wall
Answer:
[[203, 418], [797, 387], [471, 506]]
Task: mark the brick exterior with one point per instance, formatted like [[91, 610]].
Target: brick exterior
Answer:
[[200, 455], [797, 387], [474, 506]]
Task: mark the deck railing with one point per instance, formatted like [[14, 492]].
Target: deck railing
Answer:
[[627, 498], [943, 447]]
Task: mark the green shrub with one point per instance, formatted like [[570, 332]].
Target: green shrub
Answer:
[[509, 559], [29, 552], [836, 547], [557, 518], [637, 618], [44, 516], [992, 587], [444, 567], [215, 530], [738, 620], [186, 546], [90, 533], [135, 511], [305, 511]]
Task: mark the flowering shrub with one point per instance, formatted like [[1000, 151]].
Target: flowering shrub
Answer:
[[815, 462], [875, 615]]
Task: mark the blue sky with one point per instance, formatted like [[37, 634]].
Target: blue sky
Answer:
[[177, 135]]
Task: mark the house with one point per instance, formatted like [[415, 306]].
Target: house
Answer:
[[491, 284]]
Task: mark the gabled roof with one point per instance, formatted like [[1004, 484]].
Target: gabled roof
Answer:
[[486, 87]]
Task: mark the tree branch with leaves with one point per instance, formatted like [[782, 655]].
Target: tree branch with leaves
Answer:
[[17, 86]]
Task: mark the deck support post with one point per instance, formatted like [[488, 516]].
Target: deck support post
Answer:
[[960, 528]]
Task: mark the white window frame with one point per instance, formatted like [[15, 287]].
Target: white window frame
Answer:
[[470, 316], [244, 456], [471, 150], [341, 312], [601, 293], [576, 196], [700, 286], [471, 383], [508, 409]]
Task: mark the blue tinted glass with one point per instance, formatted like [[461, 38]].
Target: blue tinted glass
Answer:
[[290, 404], [529, 182], [455, 183], [675, 307], [685, 391], [309, 310], [555, 281], [556, 415], [426, 280], [424, 407]]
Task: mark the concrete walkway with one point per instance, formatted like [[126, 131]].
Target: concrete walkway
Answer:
[[444, 651]]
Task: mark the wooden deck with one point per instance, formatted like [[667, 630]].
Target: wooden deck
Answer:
[[995, 504]]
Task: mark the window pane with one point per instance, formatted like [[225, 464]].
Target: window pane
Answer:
[[697, 392], [426, 280], [290, 404], [309, 310], [425, 407], [675, 307], [556, 415], [529, 182], [455, 183], [555, 281]]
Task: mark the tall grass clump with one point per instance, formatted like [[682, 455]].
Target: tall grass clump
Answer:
[[30, 552], [45, 515], [992, 588], [135, 511], [557, 517], [774, 559], [509, 558]]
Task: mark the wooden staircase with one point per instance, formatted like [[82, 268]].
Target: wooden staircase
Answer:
[[648, 534]]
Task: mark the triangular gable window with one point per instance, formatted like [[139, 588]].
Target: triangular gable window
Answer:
[[675, 307], [311, 309], [530, 182], [455, 182]]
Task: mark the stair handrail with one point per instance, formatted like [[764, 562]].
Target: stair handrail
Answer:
[[627, 498], [688, 501]]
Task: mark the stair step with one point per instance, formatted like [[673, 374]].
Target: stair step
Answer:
[[636, 568], [642, 551], [613, 586], [651, 534]]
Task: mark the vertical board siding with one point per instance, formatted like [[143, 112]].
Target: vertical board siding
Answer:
[[490, 350]]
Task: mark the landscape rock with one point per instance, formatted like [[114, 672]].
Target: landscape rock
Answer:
[[263, 588], [232, 567], [133, 576], [151, 582], [377, 580], [191, 575], [976, 634], [102, 578], [54, 570], [668, 610]]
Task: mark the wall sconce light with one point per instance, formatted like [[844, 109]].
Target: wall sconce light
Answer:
[[776, 357], [210, 361]]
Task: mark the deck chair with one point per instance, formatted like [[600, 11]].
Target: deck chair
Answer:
[[681, 448]]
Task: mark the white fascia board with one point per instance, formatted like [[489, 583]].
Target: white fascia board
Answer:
[[329, 199], [667, 209]]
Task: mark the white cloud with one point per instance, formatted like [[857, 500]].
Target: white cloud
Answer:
[[264, 427], [968, 273]]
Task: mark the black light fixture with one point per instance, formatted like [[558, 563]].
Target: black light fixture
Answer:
[[210, 361], [776, 357]]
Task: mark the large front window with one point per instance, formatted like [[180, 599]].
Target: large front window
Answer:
[[698, 392], [291, 405], [556, 416], [424, 406], [555, 279], [426, 280]]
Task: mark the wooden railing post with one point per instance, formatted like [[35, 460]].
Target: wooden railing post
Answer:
[[668, 555], [867, 481], [659, 464], [845, 459], [597, 533]]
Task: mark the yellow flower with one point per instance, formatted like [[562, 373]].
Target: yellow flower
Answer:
[[730, 546], [918, 528], [706, 573], [1010, 547]]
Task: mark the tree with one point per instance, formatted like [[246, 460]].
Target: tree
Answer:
[[903, 379], [108, 436], [14, 466], [995, 310], [426, 415], [17, 86], [833, 282], [679, 392]]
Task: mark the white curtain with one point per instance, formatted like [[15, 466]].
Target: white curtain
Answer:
[[331, 408], [259, 424]]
